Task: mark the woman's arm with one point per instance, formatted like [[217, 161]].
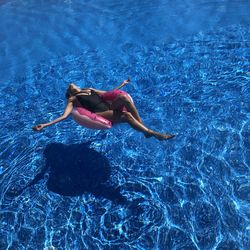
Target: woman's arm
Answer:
[[99, 92], [66, 113], [123, 83]]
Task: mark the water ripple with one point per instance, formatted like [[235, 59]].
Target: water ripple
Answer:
[[188, 193]]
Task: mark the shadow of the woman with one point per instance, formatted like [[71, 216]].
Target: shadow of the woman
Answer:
[[76, 169]]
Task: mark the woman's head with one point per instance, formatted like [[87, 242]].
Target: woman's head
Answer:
[[72, 90]]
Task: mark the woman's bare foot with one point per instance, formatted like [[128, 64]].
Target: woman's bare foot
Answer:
[[158, 135], [162, 137]]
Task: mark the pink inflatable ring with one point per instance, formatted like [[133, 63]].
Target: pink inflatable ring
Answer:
[[91, 120]]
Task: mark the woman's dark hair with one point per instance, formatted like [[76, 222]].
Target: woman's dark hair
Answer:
[[67, 94]]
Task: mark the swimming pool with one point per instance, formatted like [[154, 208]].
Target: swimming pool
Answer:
[[74, 188]]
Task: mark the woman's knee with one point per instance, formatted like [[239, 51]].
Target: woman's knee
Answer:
[[124, 98], [127, 116]]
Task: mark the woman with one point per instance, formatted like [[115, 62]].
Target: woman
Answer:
[[90, 99]]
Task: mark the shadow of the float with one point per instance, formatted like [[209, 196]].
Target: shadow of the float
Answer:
[[76, 169]]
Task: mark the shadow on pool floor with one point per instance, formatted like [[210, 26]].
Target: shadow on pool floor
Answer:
[[76, 169]]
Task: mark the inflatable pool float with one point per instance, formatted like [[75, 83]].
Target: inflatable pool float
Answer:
[[91, 120]]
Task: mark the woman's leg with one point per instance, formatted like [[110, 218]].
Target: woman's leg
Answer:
[[127, 117], [124, 100], [119, 117]]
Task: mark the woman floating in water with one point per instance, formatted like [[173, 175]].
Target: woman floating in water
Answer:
[[91, 99]]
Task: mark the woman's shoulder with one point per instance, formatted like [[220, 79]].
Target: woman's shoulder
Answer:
[[71, 99]]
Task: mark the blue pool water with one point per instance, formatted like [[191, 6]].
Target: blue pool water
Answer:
[[73, 188]]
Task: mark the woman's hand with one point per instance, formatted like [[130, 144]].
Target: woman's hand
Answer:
[[38, 127], [126, 81]]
